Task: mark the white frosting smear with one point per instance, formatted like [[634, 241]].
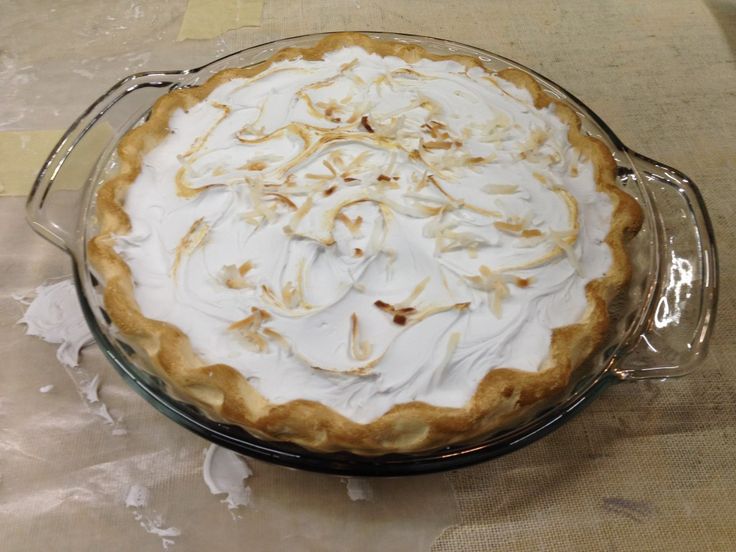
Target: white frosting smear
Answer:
[[90, 391], [55, 316], [138, 498], [363, 232], [358, 489], [224, 472]]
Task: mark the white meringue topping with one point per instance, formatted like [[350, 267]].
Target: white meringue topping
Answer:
[[364, 232]]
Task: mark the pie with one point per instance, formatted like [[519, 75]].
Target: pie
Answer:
[[364, 246]]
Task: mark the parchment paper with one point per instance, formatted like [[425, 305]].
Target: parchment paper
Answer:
[[648, 466], [210, 18]]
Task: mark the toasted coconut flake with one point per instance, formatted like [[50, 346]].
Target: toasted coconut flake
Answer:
[[336, 159], [194, 237], [332, 110], [409, 315], [416, 292], [432, 107], [298, 216], [234, 277], [449, 240], [509, 227], [378, 234], [256, 165], [384, 79], [390, 127], [565, 241], [250, 328], [553, 158], [572, 208], [437, 145], [254, 320], [495, 284], [399, 319], [330, 167], [279, 339], [314, 176], [439, 166], [573, 170], [256, 343], [253, 218], [500, 292], [269, 295], [500, 189], [536, 139], [431, 311], [357, 252], [183, 189], [366, 124], [357, 163], [290, 297], [384, 182], [408, 73], [281, 198], [352, 225], [345, 67], [246, 267], [359, 350], [422, 182], [454, 201], [300, 276], [382, 304], [540, 178]]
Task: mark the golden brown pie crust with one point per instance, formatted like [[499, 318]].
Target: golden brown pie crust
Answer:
[[503, 396]]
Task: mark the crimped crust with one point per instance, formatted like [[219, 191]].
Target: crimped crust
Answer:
[[504, 394]]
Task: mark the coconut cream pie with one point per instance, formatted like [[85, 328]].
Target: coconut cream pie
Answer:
[[363, 246]]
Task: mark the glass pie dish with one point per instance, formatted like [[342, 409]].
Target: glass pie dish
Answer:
[[662, 322]]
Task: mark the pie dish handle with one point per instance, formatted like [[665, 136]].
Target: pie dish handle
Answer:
[[681, 313], [56, 206]]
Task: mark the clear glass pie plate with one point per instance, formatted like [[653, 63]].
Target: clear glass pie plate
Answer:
[[663, 321]]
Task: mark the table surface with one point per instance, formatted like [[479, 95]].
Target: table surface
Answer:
[[648, 466]]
